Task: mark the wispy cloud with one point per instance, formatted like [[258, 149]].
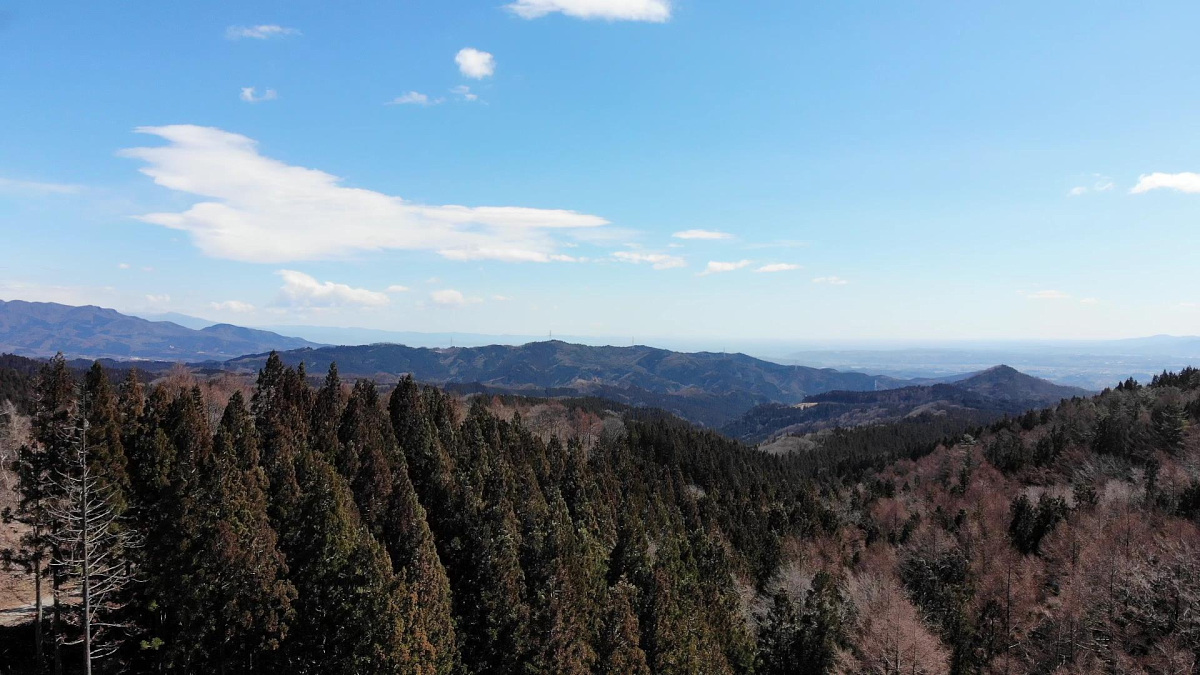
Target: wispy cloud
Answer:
[[124, 266], [396, 288], [414, 98], [25, 187], [1047, 295], [659, 261], [251, 95], [656, 11], [258, 209], [715, 267], [1183, 182], [832, 281], [501, 298], [463, 92], [302, 290], [448, 297], [778, 267], [474, 63], [778, 243], [1100, 183], [262, 32], [1088, 301], [235, 306], [160, 299], [702, 234]]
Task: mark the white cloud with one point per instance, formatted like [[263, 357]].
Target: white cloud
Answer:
[[715, 267], [1101, 183], [301, 290], [448, 297], [659, 261], [1189, 305], [1184, 182], [414, 98], [396, 288], [263, 32], [123, 266], [464, 92], [501, 298], [778, 267], [656, 11], [474, 63], [1048, 295], [26, 187], [702, 234], [832, 281], [235, 306], [257, 209], [250, 95], [1088, 301], [158, 299]]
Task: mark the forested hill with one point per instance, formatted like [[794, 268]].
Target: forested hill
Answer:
[[981, 398], [338, 530], [41, 329], [638, 375]]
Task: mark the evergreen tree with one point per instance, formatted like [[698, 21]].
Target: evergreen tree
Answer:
[[620, 650], [106, 447]]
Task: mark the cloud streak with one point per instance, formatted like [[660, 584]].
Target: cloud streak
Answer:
[[414, 98], [251, 95], [261, 32], [302, 290], [715, 267], [659, 261], [702, 234], [778, 267], [656, 11], [257, 209]]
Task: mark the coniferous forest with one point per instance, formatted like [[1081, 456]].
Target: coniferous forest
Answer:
[[306, 526]]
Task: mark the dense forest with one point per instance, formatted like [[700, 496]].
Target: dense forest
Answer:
[[205, 525]]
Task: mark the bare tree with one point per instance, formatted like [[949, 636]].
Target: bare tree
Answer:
[[90, 546]]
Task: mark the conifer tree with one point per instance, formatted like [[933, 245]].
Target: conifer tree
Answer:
[[106, 447], [365, 455], [620, 650]]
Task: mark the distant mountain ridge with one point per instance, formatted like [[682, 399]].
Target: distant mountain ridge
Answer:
[[977, 398], [638, 375], [41, 329]]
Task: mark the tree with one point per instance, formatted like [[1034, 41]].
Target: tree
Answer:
[[89, 549], [619, 649]]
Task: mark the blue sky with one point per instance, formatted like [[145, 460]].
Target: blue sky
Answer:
[[673, 168]]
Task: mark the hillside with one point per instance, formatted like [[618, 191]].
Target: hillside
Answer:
[[980, 398], [41, 329], [705, 387], [1063, 541]]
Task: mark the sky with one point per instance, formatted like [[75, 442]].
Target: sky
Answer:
[[671, 168]]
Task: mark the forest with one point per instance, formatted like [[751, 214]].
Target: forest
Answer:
[[308, 524]]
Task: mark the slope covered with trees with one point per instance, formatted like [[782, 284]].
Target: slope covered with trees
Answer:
[[342, 528]]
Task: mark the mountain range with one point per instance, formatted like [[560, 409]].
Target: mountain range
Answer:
[[41, 329], [976, 399]]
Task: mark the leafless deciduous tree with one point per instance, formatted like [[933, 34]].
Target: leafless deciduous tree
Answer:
[[90, 546]]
